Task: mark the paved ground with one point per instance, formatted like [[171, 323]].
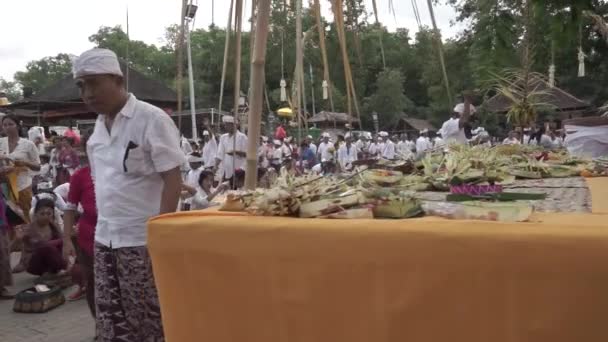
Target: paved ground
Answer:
[[70, 322]]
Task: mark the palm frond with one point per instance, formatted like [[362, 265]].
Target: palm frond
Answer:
[[522, 89]]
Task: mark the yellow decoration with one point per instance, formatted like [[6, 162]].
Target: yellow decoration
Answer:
[[285, 112]]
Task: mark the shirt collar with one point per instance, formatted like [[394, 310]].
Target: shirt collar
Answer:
[[129, 108]]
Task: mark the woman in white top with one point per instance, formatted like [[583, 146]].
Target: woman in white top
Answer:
[[21, 156], [203, 195]]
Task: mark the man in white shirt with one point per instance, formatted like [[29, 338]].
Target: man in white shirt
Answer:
[[209, 150], [185, 145], [453, 129], [276, 155], [232, 150], [362, 144], [135, 160], [347, 154], [325, 148], [311, 144], [387, 147], [403, 151], [512, 139], [423, 145], [409, 143], [402, 145]]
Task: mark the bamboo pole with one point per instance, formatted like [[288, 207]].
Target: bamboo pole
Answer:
[[379, 34], [299, 59], [251, 44], [225, 63], [180, 64], [257, 91], [321, 32], [350, 87], [238, 16], [437, 37]]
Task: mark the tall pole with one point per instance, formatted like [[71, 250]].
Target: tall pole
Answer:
[[257, 91], [379, 33], [299, 61], [312, 90], [321, 31], [238, 16], [180, 60], [191, 86], [225, 63], [251, 44], [437, 37], [128, 43]]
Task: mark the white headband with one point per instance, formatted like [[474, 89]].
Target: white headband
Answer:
[[96, 62]]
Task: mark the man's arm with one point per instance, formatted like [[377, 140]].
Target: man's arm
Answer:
[[464, 118], [172, 180]]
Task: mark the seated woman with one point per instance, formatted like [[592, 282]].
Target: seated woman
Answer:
[[202, 196], [43, 242]]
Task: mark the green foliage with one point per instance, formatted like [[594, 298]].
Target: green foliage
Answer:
[[10, 89], [44, 72], [388, 99]]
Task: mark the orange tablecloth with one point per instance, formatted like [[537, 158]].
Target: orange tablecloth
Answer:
[[599, 194], [259, 279]]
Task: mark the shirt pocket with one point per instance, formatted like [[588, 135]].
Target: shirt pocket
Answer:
[[134, 159]]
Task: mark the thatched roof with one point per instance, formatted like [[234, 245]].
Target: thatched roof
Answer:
[[556, 97], [418, 124], [65, 91], [332, 117]]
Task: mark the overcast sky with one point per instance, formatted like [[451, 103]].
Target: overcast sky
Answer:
[[33, 29]]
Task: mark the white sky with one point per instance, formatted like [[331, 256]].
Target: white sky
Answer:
[[33, 29]]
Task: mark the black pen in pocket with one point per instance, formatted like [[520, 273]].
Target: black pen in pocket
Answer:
[[130, 147]]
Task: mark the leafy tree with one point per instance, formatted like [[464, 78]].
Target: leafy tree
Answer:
[[388, 99], [44, 72], [10, 89]]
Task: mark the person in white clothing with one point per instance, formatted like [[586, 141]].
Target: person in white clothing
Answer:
[[423, 145], [201, 195], [362, 145], [185, 145], [135, 159], [209, 149], [387, 147], [556, 140], [276, 159], [403, 150], [324, 151], [347, 154], [311, 144], [410, 143], [453, 129], [512, 139], [231, 152]]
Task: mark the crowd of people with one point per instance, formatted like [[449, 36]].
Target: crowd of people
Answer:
[[221, 160]]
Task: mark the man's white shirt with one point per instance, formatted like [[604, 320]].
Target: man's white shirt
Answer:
[[126, 165], [227, 145], [210, 152], [347, 155], [452, 132]]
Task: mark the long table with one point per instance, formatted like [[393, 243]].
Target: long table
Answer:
[[230, 277]]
